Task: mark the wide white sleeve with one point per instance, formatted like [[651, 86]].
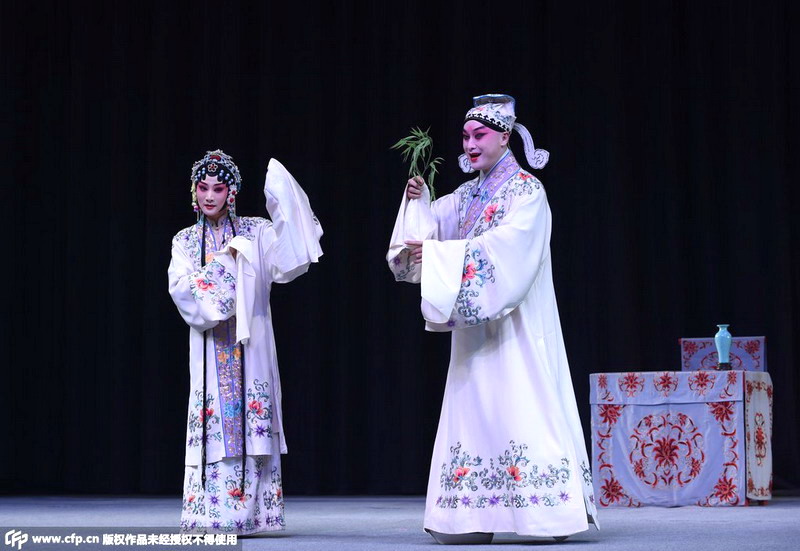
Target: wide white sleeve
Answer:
[[206, 296], [295, 232], [466, 282], [418, 220]]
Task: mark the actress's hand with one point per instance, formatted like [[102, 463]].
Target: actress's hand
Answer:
[[415, 250]]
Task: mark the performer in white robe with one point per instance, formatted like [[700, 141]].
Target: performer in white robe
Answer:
[[220, 277], [509, 454]]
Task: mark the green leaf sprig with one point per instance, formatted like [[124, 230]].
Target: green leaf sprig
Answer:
[[418, 147]]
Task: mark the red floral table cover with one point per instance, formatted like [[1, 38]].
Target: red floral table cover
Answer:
[[681, 437], [746, 354]]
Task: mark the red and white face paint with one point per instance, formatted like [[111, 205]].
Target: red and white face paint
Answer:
[[482, 145], [212, 197]]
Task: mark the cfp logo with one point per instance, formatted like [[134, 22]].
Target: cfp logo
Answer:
[[16, 538]]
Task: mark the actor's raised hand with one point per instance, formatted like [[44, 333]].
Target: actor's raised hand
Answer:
[[414, 187], [415, 250]]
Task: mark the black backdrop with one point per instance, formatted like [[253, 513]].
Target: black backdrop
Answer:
[[673, 132]]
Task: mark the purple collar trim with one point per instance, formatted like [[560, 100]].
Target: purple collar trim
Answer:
[[500, 174]]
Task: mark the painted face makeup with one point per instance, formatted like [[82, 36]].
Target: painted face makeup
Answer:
[[211, 196], [482, 145]]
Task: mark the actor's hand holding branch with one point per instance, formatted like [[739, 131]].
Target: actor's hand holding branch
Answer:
[[414, 187]]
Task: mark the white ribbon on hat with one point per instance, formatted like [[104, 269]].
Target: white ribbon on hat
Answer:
[[537, 158]]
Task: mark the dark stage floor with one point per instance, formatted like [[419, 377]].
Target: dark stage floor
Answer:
[[389, 523]]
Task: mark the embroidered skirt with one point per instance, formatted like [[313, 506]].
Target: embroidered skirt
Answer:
[[223, 507]]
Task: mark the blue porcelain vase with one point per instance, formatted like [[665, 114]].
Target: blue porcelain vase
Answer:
[[723, 341]]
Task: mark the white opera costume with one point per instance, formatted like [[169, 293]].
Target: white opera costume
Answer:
[[509, 454], [224, 299]]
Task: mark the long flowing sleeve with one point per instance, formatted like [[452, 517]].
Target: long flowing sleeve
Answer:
[[204, 297], [466, 282], [282, 249], [297, 232], [418, 220]]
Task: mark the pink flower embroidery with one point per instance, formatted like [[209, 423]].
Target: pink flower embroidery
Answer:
[[469, 272], [513, 472], [460, 472], [488, 214], [255, 406], [204, 284], [205, 413]]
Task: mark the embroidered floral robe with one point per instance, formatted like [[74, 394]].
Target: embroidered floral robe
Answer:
[[206, 296], [509, 454]]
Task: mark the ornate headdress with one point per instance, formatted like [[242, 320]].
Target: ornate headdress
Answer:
[[220, 164], [497, 112]]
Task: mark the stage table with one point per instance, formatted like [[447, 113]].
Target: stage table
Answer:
[[681, 438]]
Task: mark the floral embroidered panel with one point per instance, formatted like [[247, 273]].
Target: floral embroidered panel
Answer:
[[507, 479], [681, 438]]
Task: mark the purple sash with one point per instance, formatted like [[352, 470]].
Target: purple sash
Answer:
[[500, 174]]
